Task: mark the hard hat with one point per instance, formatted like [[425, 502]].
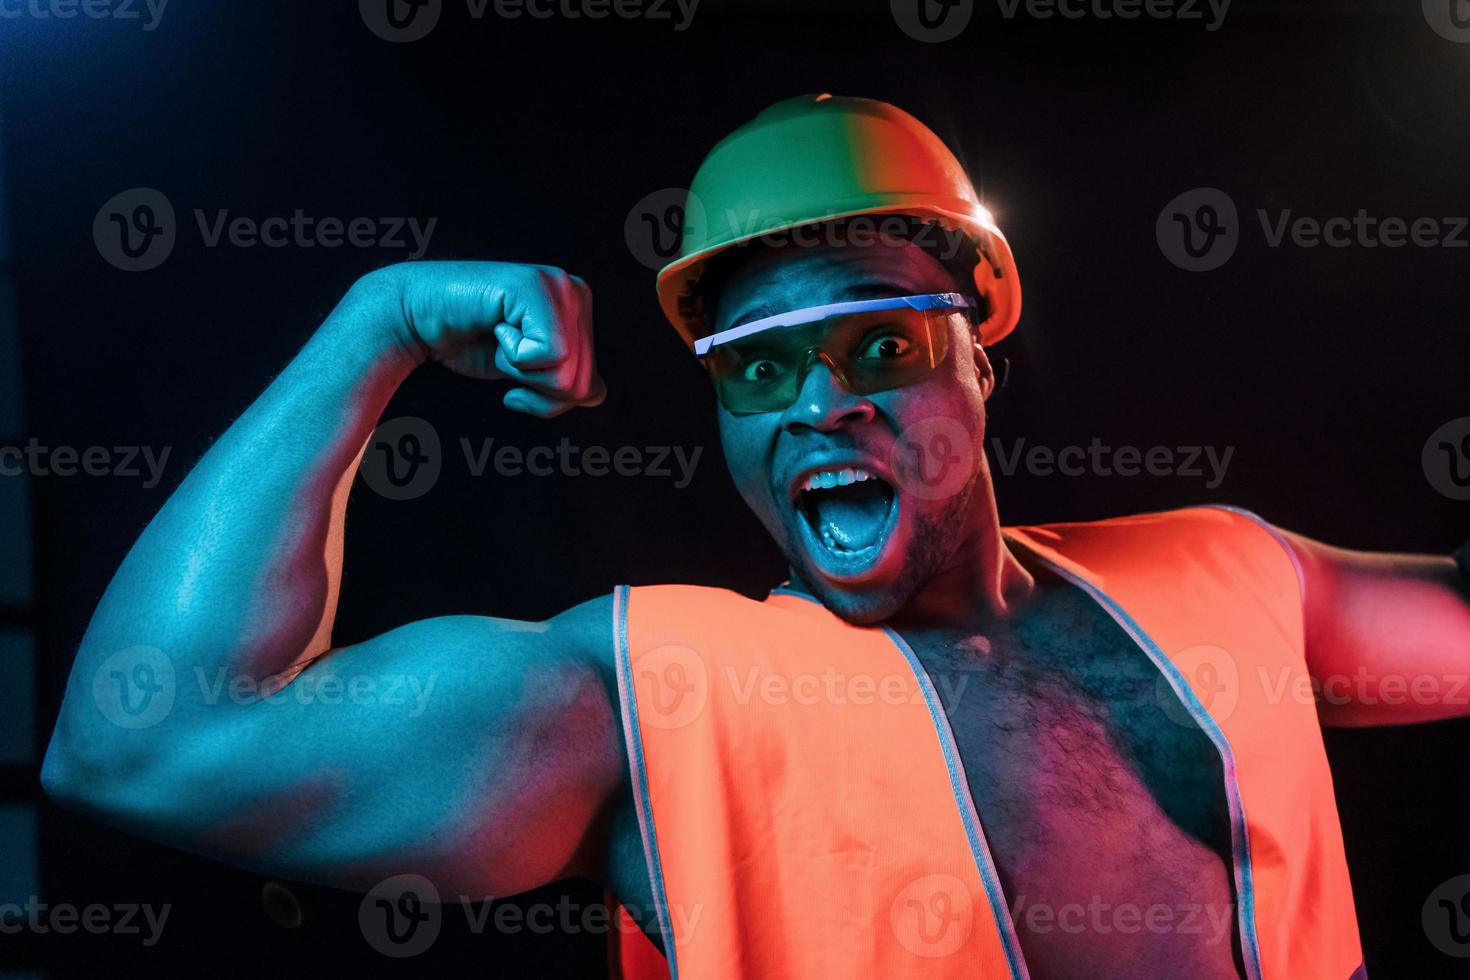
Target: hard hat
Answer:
[[819, 158]]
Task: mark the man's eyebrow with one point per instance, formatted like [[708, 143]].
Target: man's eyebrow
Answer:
[[874, 290], [857, 291], [753, 314]]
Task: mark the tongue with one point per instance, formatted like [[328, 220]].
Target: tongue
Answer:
[[853, 515]]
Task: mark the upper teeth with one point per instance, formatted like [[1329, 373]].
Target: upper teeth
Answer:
[[824, 479]]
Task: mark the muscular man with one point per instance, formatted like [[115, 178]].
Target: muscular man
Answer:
[[943, 748]]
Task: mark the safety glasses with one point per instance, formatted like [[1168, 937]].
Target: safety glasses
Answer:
[[869, 346]]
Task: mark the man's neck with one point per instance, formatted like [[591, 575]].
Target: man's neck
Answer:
[[983, 581]]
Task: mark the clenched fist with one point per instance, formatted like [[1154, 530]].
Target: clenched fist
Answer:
[[531, 324]]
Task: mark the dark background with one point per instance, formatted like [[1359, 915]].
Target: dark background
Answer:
[[1326, 369]]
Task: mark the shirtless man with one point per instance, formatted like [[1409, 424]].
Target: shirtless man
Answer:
[[1056, 751]]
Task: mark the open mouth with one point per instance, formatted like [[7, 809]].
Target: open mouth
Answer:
[[848, 513]]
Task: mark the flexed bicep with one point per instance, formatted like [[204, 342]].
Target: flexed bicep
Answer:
[[477, 752]]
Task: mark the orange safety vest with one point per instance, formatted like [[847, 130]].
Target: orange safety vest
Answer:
[[805, 812]]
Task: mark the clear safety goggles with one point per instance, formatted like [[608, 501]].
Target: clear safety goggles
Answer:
[[868, 345]]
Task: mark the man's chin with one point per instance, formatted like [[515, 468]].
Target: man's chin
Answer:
[[861, 608], [862, 602], [912, 550]]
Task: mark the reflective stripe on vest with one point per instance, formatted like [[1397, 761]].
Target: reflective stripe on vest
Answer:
[[805, 812]]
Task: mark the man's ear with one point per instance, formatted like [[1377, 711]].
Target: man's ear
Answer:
[[984, 371]]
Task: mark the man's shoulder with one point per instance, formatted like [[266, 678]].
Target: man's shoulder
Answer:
[[1221, 533], [689, 594], [681, 609], [1188, 527], [1174, 518], [595, 628]]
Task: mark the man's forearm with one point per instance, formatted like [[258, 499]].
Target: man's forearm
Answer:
[[240, 569]]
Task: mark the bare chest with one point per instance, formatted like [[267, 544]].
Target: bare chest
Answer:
[[1102, 802]]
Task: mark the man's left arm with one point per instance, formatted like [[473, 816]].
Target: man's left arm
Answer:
[[1387, 635]]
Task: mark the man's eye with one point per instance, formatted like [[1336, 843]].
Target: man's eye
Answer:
[[763, 369], [886, 347]]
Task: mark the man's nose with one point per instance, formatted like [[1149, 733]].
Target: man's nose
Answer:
[[824, 404]]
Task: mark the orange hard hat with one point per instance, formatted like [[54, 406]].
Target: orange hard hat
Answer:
[[821, 158]]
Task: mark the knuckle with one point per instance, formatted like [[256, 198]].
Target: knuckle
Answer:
[[549, 275]]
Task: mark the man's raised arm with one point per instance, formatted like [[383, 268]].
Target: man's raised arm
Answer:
[[207, 707]]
